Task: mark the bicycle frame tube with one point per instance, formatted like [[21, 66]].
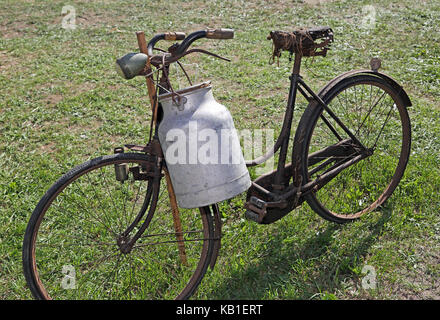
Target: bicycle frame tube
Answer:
[[344, 148], [330, 112], [294, 80], [283, 138], [297, 84], [319, 182]]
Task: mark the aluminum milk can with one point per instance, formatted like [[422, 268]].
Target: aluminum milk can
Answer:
[[201, 148]]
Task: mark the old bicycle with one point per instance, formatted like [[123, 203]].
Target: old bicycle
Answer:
[[131, 225]]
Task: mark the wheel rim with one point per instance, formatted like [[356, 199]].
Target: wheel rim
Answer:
[[377, 117], [75, 250]]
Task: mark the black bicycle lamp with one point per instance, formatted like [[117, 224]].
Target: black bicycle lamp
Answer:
[[131, 65]]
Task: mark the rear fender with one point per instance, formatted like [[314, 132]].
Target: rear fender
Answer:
[[403, 95]]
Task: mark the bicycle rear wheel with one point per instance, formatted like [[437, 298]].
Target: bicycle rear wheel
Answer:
[[73, 246], [374, 112]]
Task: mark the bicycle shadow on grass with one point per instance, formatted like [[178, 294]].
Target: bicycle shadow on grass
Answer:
[[309, 270]]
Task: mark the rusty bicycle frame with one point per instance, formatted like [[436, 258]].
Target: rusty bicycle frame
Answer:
[[281, 195]]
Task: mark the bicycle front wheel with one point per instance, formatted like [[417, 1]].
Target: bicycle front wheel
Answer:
[[375, 114], [74, 243]]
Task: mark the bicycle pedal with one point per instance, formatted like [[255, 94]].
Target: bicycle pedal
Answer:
[[253, 216], [256, 209], [260, 204]]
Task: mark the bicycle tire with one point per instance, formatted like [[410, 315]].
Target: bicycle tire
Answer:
[[366, 185], [73, 224]]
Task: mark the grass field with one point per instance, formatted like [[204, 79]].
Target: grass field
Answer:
[[62, 103]]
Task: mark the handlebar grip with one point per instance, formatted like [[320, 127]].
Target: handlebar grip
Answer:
[[220, 33], [174, 36]]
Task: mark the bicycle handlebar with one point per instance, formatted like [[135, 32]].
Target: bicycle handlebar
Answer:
[[175, 36], [221, 33], [134, 64], [170, 36]]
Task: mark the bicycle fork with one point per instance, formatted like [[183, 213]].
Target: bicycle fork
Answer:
[[153, 174]]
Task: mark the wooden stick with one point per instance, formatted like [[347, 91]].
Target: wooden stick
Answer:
[[177, 221], [142, 43], [152, 94], [154, 103]]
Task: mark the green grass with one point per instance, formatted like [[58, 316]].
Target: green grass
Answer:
[[61, 103]]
